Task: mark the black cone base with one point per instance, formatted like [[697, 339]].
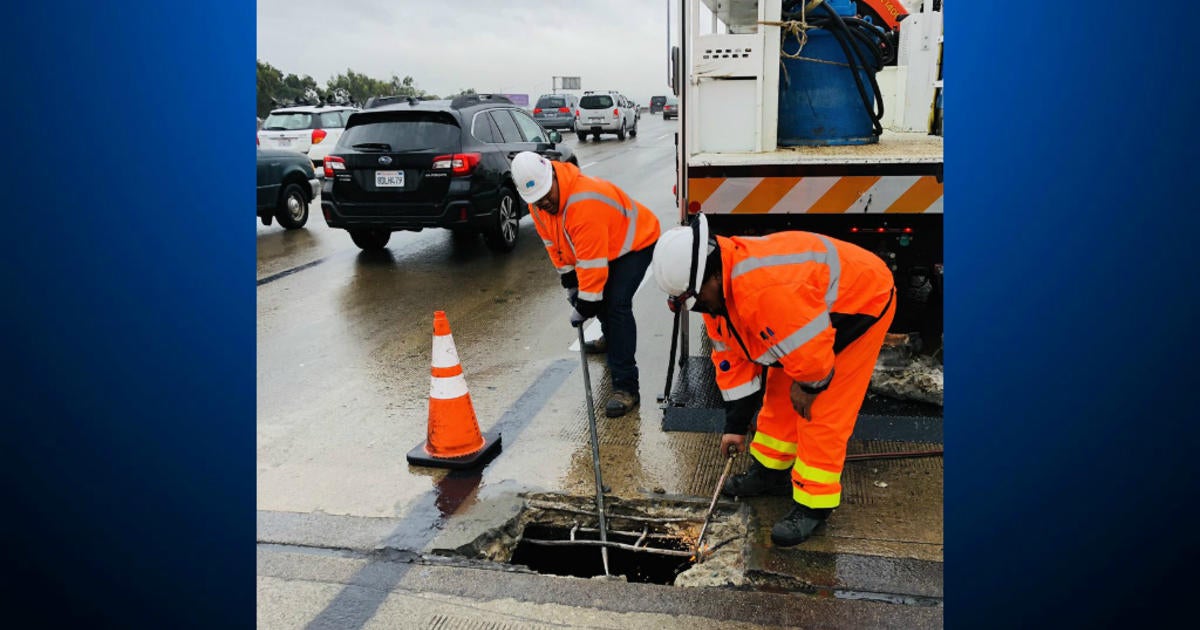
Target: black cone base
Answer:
[[491, 448]]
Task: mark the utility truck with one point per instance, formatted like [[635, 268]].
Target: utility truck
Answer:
[[741, 161]]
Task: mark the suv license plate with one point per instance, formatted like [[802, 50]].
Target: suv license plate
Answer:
[[389, 179]]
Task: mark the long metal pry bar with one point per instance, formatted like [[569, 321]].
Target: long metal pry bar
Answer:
[[587, 389]]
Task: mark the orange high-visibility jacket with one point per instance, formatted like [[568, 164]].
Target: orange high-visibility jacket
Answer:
[[596, 222], [793, 299]]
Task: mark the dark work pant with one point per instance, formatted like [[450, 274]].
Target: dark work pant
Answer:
[[616, 320]]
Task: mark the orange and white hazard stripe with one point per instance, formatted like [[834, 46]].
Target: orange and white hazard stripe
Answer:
[[905, 194]]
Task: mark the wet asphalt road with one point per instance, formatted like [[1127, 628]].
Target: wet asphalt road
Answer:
[[344, 348]]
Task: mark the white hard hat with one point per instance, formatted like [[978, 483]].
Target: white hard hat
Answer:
[[532, 174], [675, 257]]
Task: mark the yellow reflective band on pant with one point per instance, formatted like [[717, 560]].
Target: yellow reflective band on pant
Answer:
[[812, 473], [770, 461], [816, 501], [774, 444]]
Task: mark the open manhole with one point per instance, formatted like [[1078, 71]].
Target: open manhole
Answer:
[[649, 541], [649, 566]]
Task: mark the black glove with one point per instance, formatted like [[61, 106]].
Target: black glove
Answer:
[[588, 308], [573, 296], [740, 412], [569, 280]]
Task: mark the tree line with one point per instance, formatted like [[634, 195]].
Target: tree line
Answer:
[[275, 89]]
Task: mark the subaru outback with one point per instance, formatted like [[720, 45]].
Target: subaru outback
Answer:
[[433, 164]]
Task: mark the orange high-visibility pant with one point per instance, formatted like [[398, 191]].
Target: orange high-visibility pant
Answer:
[[815, 449]]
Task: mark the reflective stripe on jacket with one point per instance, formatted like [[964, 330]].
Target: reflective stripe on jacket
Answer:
[[596, 222], [736, 377], [796, 298]]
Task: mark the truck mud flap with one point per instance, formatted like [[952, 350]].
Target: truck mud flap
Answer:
[[695, 406]]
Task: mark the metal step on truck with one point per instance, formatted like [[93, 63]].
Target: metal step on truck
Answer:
[[824, 117]]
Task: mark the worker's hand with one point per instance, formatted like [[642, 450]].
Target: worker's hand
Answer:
[[732, 443], [577, 319], [572, 296], [802, 401]]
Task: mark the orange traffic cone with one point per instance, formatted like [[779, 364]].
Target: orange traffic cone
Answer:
[[453, 439]]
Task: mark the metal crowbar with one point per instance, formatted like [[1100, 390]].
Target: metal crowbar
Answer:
[[713, 505], [587, 389]]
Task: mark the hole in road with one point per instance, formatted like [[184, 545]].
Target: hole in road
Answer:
[[585, 560]]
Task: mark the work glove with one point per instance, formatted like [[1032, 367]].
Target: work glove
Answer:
[[569, 280], [577, 319], [572, 296], [588, 308]]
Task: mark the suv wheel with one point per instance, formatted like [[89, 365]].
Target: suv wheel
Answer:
[[370, 239], [582, 136], [621, 133], [503, 236], [633, 132], [293, 207]]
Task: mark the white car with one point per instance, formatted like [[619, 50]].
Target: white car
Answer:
[[605, 112], [313, 131]]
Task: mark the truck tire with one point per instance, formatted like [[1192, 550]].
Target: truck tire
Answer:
[[502, 237], [293, 207], [370, 239]]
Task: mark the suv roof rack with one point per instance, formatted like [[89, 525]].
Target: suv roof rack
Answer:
[[467, 100]]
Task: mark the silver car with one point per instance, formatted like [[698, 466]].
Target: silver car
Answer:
[[556, 111]]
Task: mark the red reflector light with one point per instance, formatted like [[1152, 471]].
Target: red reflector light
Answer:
[[564, 110], [459, 163], [462, 214], [537, 110], [334, 163], [908, 230], [318, 135], [693, 207], [853, 229]]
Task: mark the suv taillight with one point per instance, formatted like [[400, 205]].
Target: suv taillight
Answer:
[[318, 135], [459, 163], [577, 113], [334, 163], [564, 110], [537, 110], [616, 113]]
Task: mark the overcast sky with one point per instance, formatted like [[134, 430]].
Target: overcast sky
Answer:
[[448, 45]]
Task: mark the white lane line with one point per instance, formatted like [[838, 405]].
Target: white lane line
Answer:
[[665, 135], [587, 165], [591, 330]]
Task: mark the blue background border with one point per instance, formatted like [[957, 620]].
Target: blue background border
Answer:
[[129, 394]]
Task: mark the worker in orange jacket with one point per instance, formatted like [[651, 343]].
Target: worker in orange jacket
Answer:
[[811, 312], [600, 240]]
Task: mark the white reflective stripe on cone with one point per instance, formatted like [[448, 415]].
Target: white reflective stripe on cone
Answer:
[[447, 387], [444, 353]]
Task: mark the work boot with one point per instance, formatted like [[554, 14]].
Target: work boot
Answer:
[[599, 346], [798, 525], [758, 481], [620, 404]]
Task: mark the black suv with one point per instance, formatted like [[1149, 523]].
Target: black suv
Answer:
[[656, 104], [443, 164]]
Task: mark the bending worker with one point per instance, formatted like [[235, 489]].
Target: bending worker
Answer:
[[600, 240], [811, 312]]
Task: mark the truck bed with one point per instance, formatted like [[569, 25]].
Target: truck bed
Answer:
[[892, 148]]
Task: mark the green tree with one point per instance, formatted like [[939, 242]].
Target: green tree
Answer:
[[270, 82]]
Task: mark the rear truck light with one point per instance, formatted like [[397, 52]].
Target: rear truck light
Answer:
[[854, 229], [537, 110], [693, 207], [333, 163], [318, 135], [564, 110], [459, 163]]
